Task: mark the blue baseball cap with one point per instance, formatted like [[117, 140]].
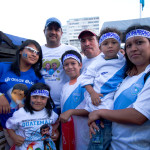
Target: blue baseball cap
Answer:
[[52, 20]]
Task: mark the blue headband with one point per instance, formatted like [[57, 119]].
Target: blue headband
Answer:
[[109, 35], [44, 93], [138, 32], [71, 56]]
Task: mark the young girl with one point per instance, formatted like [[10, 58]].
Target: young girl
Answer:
[[73, 103], [103, 76], [25, 70], [31, 126]]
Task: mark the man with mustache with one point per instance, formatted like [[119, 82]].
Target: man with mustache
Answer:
[[89, 46]]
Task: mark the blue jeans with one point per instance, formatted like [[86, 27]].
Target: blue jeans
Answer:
[[101, 140]]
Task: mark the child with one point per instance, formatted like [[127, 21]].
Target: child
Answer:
[[104, 74], [25, 124], [25, 71], [73, 102]]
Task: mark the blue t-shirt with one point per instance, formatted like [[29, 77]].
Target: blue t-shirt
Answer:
[[8, 80]]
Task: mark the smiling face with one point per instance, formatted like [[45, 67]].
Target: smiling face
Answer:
[[110, 48], [38, 102], [53, 35], [72, 68], [28, 56], [138, 51]]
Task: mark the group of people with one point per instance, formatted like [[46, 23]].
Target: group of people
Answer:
[[67, 101]]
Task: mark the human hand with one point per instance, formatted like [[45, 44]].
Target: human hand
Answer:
[[18, 140], [55, 125], [55, 135], [92, 129], [94, 115], [64, 117], [95, 98], [4, 105]]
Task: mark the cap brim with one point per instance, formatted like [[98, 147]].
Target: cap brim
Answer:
[[86, 31]]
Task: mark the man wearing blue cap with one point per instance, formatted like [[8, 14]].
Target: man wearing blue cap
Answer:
[[53, 49]]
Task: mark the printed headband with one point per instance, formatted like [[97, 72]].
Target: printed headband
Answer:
[[71, 56], [138, 32], [44, 93], [109, 35]]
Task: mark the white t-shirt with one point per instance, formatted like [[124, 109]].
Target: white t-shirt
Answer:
[[133, 93], [80, 123], [28, 126], [52, 71], [105, 76], [87, 61]]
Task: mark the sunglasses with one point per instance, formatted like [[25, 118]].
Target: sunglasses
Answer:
[[30, 49]]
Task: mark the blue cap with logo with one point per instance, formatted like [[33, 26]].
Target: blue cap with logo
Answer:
[[53, 20]]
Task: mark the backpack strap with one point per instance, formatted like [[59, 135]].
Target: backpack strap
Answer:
[[146, 76]]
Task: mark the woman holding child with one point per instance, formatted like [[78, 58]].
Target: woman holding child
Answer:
[[131, 114]]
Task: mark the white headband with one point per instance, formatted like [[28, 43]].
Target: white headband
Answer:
[[44, 93], [138, 32], [71, 56], [109, 35]]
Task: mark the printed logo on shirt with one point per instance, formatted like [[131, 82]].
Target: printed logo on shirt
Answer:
[[135, 89], [104, 73], [8, 79], [49, 68], [76, 97]]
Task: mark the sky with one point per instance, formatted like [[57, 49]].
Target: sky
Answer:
[[26, 18]]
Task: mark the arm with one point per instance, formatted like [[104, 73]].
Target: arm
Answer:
[[18, 140], [55, 132], [125, 116], [64, 117], [4, 104], [95, 97]]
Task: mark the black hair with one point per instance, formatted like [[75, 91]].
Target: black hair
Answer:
[[106, 30], [130, 65], [39, 86], [71, 52], [44, 127], [21, 87], [15, 66]]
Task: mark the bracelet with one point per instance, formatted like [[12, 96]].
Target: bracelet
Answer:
[[1, 94]]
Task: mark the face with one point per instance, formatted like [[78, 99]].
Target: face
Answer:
[[28, 56], [38, 102], [47, 66], [138, 50], [110, 48], [72, 68], [89, 45], [17, 95], [53, 34], [45, 131], [54, 66]]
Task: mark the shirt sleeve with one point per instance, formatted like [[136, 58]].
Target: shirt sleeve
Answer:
[[88, 76], [142, 104], [12, 123]]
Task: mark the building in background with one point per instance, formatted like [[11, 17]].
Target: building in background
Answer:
[[75, 26]]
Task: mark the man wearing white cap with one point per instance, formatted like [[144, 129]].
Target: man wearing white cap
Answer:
[[52, 68]]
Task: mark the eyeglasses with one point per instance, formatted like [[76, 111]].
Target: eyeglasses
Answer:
[[32, 50]]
